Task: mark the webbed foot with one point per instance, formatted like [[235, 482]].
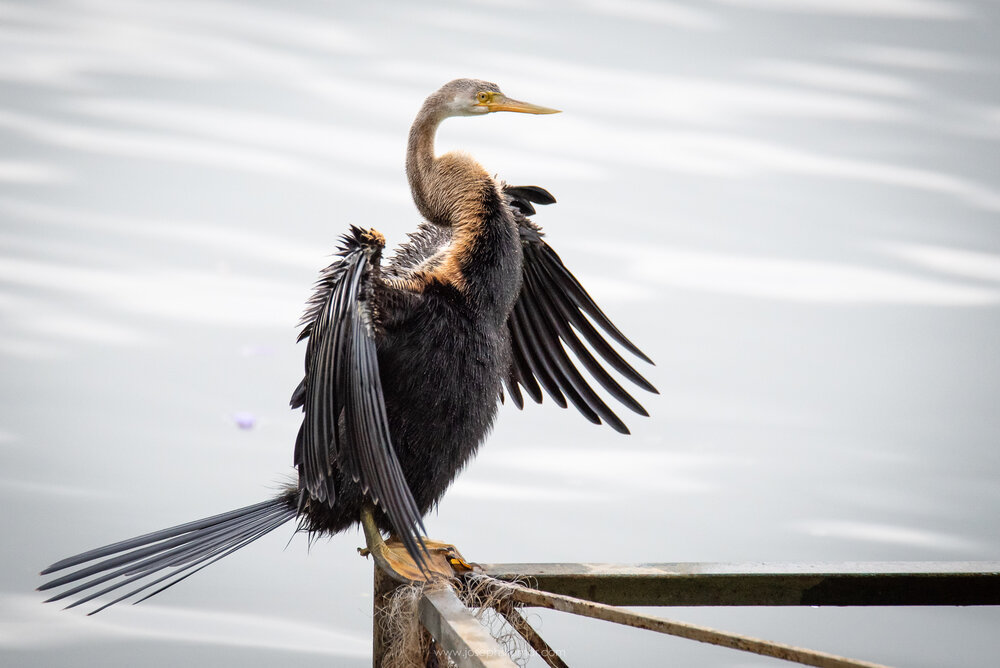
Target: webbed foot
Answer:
[[442, 560]]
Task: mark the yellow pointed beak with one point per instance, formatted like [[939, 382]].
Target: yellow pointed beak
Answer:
[[504, 103]]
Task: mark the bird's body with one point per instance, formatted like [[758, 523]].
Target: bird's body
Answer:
[[424, 343], [440, 312], [405, 363]]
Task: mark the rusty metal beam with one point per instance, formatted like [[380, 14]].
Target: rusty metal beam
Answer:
[[528, 632], [692, 584], [458, 633], [703, 634]]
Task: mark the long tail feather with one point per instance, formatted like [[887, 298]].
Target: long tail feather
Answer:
[[173, 553]]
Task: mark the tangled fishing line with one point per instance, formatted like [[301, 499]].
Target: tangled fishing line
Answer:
[[406, 644]]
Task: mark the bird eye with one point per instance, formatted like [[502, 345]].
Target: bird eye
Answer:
[[483, 97]]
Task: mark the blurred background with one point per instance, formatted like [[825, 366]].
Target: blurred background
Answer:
[[791, 205]]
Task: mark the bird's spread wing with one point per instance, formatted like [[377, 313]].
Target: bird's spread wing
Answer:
[[551, 315], [345, 422]]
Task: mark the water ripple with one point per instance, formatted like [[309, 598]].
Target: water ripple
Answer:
[[793, 279], [909, 9], [25, 624], [890, 534]]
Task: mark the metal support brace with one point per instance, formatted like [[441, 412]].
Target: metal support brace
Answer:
[[759, 583], [610, 613], [593, 589], [459, 634]]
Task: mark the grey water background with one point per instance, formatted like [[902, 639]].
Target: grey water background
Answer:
[[791, 205]]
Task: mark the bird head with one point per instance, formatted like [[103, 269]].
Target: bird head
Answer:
[[472, 97]]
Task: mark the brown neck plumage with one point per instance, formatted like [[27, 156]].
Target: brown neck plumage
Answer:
[[447, 190], [451, 190], [420, 158], [483, 258]]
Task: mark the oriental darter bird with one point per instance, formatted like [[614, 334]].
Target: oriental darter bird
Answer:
[[405, 365]]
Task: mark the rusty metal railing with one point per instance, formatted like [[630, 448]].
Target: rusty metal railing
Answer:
[[594, 590]]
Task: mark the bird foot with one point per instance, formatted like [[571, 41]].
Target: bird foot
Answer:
[[442, 560]]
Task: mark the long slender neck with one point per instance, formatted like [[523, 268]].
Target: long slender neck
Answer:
[[454, 191], [420, 162]]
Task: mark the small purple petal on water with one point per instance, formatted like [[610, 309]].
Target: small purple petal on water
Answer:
[[245, 420]]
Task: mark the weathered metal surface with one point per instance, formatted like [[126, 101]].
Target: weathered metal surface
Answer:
[[704, 634], [759, 583], [458, 633], [528, 632]]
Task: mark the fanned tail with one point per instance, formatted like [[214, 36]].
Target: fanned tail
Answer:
[[163, 558]]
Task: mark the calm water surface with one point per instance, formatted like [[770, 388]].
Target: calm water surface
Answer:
[[791, 205]]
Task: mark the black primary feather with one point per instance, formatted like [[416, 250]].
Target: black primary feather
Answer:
[[345, 420], [549, 312]]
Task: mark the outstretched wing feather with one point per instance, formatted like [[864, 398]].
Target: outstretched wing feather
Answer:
[[584, 301], [345, 422], [535, 354], [552, 312]]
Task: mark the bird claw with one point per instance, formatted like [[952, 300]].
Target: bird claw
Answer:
[[442, 560], [458, 563]]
